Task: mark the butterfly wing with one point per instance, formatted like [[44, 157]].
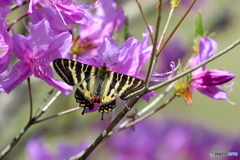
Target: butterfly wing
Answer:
[[98, 85], [73, 72], [108, 99], [127, 87], [84, 97]]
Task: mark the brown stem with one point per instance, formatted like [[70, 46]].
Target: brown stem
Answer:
[[30, 98], [145, 20], [104, 134], [153, 59]]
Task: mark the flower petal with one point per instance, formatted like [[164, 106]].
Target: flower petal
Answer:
[[207, 47], [60, 46], [213, 92], [212, 77], [56, 23], [36, 44], [108, 51], [20, 72], [37, 150], [147, 96], [5, 42], [21, 47], [60, 85]]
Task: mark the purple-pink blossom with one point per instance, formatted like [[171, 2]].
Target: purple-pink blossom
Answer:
[[66, 10], [6, 49], [208, 82], [35, 52], [36, 149], [101, 23], [6, 3], [168, 140]]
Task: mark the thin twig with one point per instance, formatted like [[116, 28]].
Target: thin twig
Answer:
[[156, 100], [28, 125], [18, 19], [151, 105], [14, 141], [236, 43], [14, 7], [166, 26], [56, 115], [48, 105], [145, 20], [143, 117], [44, 100], [176, 27], [104, 134], [30, 98], [153, 60]]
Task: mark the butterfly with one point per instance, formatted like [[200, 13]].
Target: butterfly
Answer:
[[98, 85]]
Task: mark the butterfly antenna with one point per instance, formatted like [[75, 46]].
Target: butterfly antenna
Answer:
[[96, 62], [112, 64]]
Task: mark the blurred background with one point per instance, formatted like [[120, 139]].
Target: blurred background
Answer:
[[176, 132]]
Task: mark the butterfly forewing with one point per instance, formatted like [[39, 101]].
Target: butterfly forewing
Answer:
[[73, 72], [126, 86]]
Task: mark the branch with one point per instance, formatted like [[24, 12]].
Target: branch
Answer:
[[104, 134], [151, 105], [153, 59], [143, 117], [145, 20], [176, 27], [30, 98], [56, 115], [18, 19], [14, 141], [31, 121], [166, 26]]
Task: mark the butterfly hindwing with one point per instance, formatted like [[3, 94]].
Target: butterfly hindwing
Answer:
[[84, 97], [108, 98]]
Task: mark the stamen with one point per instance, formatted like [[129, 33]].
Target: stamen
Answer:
[[155, 75], [232, 103]]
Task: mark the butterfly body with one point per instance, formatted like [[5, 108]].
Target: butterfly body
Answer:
[[98, 85]]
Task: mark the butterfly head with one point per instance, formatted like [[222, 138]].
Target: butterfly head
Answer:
[[104, 68]]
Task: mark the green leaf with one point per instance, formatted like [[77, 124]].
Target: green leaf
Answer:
[[199, 26]]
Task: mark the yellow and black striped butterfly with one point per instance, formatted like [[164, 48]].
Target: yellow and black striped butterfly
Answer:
[[98, 85]]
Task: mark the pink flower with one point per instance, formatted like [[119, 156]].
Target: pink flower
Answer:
[[68, 10], [208, 82], [102, 23], [5, 42], [35, 52]]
